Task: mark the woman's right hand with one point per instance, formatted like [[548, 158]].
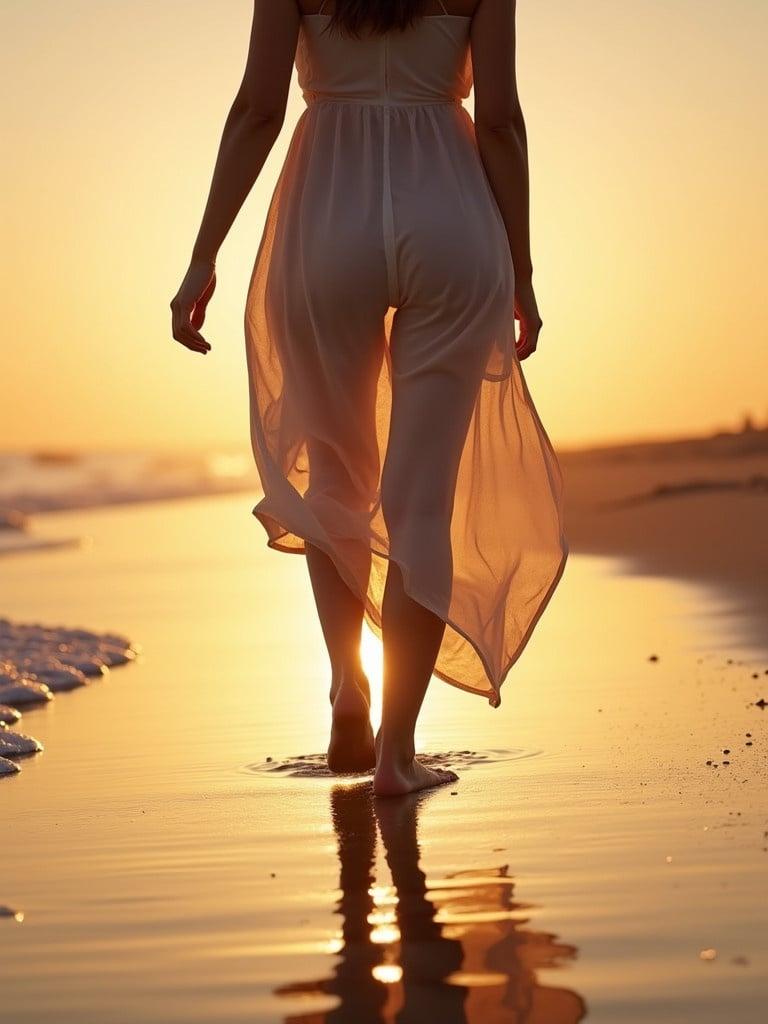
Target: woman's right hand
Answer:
[[527, 312], [189, 304]]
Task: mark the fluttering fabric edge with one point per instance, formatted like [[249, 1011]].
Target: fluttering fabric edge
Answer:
[[277, 532]]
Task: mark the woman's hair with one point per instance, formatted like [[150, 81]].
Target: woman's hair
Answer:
[[352, 17]]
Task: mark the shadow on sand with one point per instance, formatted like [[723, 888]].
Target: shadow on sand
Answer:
[[455, 951]]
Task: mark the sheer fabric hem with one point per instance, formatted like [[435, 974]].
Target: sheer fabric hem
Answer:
[[280, 537]]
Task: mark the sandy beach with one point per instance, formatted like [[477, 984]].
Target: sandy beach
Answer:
[[694, 509], [177, 854]]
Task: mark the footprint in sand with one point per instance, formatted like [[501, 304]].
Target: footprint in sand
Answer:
[[313, 766]]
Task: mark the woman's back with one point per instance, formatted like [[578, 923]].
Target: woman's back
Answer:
[[427, 63]]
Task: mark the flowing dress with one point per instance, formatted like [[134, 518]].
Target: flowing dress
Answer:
[[390, 420]]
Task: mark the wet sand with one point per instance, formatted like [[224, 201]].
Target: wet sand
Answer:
[[589, 863], [692, 509]]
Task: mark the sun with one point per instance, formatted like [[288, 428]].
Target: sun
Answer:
[[372, 657]]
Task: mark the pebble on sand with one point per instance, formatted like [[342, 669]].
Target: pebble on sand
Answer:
[[8, 767], [88, 664], [24, 691], [15, 744], [56, 675], [9, 716], [708, 954], [13, 915]]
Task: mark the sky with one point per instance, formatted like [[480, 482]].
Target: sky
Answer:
[[649, 218]]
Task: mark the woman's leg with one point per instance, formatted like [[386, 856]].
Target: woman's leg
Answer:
[[412, 637], [434, 386], [341, 617]]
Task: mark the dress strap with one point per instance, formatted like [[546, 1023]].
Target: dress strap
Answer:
[[322, 5], [439, 1]]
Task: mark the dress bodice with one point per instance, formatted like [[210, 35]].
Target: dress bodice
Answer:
[[427, 63]]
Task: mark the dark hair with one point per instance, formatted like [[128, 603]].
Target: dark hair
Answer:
[[352, 17]]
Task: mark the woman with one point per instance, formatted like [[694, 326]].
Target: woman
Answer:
[[396, 440]]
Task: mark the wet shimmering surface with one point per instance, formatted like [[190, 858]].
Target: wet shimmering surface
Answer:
[[151, 874]]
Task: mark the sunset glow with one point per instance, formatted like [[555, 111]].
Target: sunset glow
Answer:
[[649, 224]]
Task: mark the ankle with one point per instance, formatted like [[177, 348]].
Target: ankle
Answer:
[[394, 751], [348, 678], [350, 697]]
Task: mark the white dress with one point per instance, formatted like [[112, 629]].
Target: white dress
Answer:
[[390, 419]]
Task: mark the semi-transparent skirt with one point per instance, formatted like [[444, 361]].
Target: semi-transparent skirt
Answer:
[[390, 419]]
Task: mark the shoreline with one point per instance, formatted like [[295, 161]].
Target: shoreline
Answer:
[[694, 511]]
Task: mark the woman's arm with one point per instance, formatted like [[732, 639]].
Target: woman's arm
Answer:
[[250, 131], [254, 122], [502, 141]]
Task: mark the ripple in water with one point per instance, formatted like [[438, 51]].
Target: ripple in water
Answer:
[[313, 766]]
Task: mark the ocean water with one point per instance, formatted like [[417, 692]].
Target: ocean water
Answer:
[[175, 856], [40, 481]]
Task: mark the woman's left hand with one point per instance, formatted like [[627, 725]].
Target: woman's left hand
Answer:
[[189, 304]]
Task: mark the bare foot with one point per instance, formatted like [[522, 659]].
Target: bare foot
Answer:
[[351, 747], [397, 780]]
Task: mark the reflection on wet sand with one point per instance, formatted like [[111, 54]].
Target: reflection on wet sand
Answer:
[[455, 951]]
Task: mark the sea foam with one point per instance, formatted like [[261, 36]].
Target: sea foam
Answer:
[[36, 662]]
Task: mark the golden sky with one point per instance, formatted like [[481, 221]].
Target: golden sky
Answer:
[[650, 221]]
